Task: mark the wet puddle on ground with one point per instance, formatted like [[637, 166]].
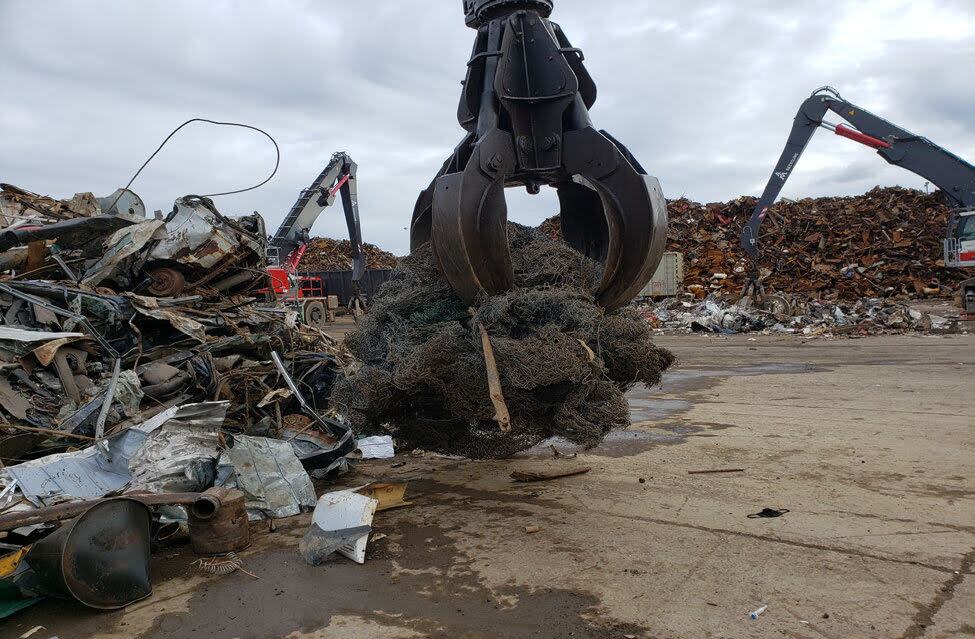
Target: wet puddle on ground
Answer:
[[684, 379], [622, 443], [649, 412]]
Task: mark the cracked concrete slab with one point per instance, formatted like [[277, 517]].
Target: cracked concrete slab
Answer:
[[869, 443]]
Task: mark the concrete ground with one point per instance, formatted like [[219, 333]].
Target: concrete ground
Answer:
[[870, 444]]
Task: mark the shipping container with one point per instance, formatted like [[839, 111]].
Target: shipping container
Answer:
[[668, 281]]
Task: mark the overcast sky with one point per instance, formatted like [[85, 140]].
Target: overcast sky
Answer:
[[702, 92]]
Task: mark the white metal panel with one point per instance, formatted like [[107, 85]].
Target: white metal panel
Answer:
[[668, 280]]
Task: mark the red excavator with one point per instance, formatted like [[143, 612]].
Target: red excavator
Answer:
[[288, 245], [954, 176]]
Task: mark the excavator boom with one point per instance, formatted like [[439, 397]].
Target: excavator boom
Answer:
[[291, 239], [954, 176]]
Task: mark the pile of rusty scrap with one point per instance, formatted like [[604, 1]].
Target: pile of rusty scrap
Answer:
[[108, 242], [325, 254], [107, 317], [789, 314], [140, 360], [886, 243]]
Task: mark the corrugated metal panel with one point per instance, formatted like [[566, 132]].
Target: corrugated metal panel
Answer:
[[668, 281], [339, 283]]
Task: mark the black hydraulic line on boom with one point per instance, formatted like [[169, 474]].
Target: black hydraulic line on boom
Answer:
[[954, 176]]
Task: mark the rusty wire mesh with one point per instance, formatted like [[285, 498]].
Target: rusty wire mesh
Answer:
[[564, 364]]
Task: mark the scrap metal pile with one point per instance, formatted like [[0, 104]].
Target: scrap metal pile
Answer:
[[325, 254], [886, 243], [106, 386], [562, 362], [868, 316]]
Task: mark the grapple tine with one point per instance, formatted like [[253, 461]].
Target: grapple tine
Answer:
[[449, 247], [470, 238], [634, 210], [421, 225], [643, 240]]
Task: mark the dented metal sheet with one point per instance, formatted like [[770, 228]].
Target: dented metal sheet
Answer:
[[181, 455], [12, 401], [91, 473], [85, 474], [72, 233], [28, 336], [45, 354], [122, 244], [196, 234], [149, 306], [269, 473]]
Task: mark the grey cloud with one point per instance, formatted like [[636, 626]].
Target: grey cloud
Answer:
[[702, 92]]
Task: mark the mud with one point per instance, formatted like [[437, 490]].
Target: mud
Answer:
[[415, 579], [692, 379]]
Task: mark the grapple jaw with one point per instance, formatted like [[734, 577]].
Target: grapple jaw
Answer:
[[525, 105]]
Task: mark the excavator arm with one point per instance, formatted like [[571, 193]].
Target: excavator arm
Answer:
[[291, 239], [954, 176]]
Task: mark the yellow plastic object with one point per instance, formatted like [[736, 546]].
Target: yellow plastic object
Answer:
[[389, 495], [9, 562]]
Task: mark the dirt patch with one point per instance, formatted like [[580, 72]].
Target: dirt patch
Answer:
[[416, 579]]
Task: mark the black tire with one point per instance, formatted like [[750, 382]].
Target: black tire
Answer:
[[315, 314]]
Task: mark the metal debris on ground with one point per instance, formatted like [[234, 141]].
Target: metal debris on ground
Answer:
[[223, 530], [548, 474], [557, 454], [341, 523], [146, 357], [223, 565], [99, 559], [869, 316], [376, 447], [31, 632], [390, 495], [156, 315], [270, 474], [769, 513]]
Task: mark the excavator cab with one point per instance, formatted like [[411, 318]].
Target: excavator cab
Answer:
[[960, 252], [291, 240], [960, 245]]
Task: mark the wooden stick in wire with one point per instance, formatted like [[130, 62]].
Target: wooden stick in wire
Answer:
[[501, 414]]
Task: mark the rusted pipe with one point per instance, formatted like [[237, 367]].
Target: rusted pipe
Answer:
[[223, 531], [203, 506]]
